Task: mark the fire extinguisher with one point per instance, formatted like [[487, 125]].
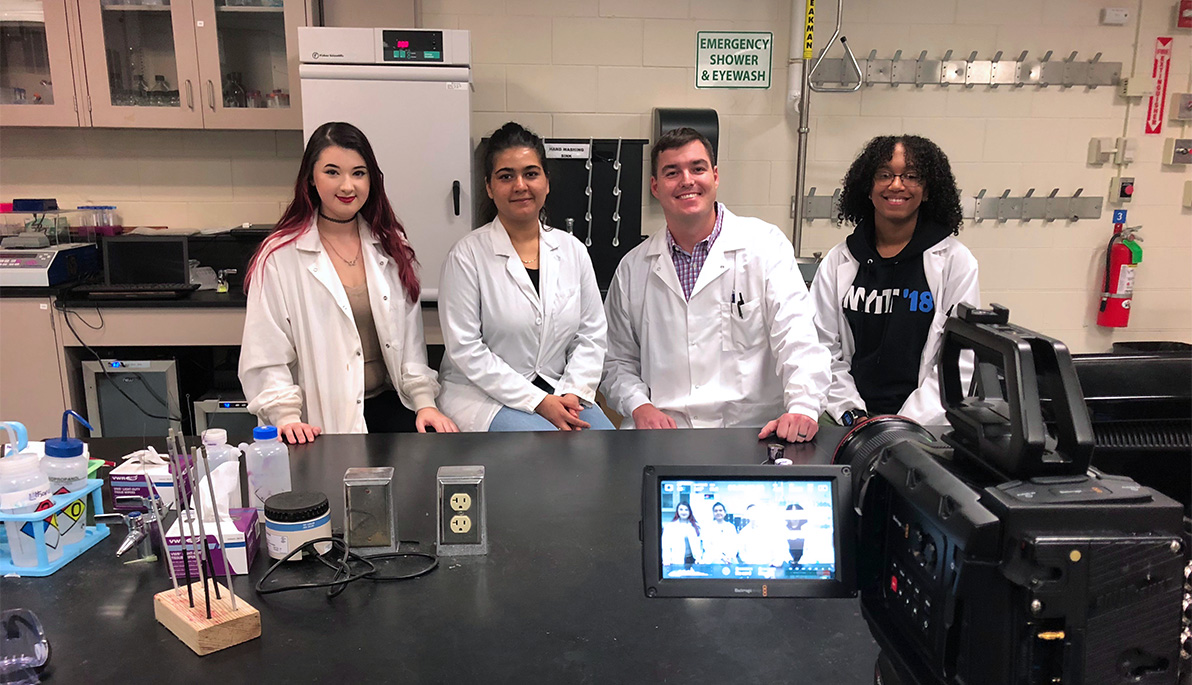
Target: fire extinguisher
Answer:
[[1122, 255]]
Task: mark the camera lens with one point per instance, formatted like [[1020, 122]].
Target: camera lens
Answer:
[[861, 447]]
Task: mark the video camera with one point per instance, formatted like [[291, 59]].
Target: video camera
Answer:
[[993, 555]]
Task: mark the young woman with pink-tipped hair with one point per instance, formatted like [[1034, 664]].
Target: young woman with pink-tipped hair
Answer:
[[333, 338]]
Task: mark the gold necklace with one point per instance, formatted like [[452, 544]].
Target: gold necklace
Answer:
[[337, 254]]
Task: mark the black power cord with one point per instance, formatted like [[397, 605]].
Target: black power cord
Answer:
[[104, 367], [342, 565]]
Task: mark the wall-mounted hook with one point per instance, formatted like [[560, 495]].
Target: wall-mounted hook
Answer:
[[1044, 80], [977, 218], [1021, 70], [952, 71], [1001, 205], [1093, 67], [1070, 76], [1054, 210], [998, 73], [972, 74], [1033, 207], [894, 66], [921, 71]]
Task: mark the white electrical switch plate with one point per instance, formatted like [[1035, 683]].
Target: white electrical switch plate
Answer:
[[1126, 151], [1115, 16]]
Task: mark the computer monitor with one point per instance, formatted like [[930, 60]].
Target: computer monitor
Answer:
[[748, 531], [137, 259]]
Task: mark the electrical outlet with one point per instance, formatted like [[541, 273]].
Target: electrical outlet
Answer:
[[463, 527]]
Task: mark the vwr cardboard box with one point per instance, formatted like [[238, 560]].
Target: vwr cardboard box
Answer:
[[240, 535], [129, 479]]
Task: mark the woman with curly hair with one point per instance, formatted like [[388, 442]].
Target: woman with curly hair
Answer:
[[882, 295]]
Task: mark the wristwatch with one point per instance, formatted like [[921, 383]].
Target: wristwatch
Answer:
[[852, 417]]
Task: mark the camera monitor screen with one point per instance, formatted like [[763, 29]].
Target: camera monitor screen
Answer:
[[748, 531]]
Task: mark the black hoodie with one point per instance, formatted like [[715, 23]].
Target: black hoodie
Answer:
[[889, 309]]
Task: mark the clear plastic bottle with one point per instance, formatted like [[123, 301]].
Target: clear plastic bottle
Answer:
[[268, 462], [65, 465], [23, 489], [215, 443]]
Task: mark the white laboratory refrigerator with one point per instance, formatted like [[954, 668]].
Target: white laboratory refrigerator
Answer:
[[409, 90]]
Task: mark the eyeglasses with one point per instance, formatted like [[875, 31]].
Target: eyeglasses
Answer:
[[909, 178]]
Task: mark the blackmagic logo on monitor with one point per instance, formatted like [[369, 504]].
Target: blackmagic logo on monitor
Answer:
[[743, 590]]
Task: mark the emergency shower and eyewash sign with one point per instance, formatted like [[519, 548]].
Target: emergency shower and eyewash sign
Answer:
[[733, 59]]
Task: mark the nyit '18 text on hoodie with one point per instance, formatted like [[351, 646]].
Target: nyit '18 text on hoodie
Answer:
[[882, 319]]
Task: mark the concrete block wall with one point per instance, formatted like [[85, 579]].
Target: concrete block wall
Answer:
[[597, 68]]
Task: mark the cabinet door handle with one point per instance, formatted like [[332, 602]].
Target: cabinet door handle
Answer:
[[455, 196], [211, 94], [190, 95]]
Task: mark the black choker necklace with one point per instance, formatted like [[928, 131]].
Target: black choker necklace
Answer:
[[337, 221]]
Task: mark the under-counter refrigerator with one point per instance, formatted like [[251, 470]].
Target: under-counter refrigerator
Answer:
[[409, 90]]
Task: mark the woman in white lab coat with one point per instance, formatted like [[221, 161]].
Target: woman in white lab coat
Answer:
[[333, 332], [681, 538], [520, 310]]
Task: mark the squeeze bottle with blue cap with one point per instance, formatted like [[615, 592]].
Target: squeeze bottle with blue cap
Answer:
[[66, 467], [268, 462], [24, 489]]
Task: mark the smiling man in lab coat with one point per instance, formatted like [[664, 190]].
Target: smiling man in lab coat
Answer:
[[709, 321]]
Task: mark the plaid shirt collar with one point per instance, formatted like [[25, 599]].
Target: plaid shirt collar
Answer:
[[706, 243], [688, 266]]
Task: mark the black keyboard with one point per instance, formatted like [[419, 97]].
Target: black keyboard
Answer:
[[124, 291]]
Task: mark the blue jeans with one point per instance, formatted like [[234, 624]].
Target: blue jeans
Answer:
[[513, 420]]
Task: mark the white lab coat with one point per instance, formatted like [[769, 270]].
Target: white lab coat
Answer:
[[720, 542], [677, 536], [705, 362], [301, 358], [951, 272], [500, 333]]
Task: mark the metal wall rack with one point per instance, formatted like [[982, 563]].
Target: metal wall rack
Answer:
[[981, 207], [970, 72]]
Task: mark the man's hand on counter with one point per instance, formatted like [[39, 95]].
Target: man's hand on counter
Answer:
[[790, 427]]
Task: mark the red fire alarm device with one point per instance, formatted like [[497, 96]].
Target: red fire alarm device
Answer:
[[1183, 15]]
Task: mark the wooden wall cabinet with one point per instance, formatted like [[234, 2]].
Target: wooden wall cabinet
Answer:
[[37, 81], [216, 64]]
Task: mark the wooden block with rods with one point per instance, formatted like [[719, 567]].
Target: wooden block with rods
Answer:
[[191, 625]]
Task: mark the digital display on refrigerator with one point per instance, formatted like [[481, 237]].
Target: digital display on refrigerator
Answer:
[[412, 46]]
